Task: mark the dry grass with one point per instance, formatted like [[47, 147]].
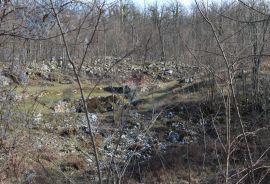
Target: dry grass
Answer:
[[180, 164]]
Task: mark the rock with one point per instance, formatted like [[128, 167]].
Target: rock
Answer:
[[168, 72], [53, 59], [38, 145], [52, 66], [93, 118], [135, 114], [179, 134], [30, 176], [44, 68], [10, 97], [4, 81], [150, 66], [159, 77], [61, 107], [11, 76], [37, 118], [178, 126], [169, 115], [173, 137], [23, 78], [189, 80], [89, 71]]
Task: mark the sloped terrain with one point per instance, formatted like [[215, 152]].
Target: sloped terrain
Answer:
[[160, 131]]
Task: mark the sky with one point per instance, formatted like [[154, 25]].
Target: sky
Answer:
[[141, 2]]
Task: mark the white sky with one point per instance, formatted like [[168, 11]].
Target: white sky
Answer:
[[141, 2]]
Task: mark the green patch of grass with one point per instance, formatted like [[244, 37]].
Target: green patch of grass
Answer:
[[49, 95], [53, 93]]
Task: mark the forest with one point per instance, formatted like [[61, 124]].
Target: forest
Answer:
[[110, 91]]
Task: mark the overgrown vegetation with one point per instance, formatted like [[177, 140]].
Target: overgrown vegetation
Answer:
[[111, 92]]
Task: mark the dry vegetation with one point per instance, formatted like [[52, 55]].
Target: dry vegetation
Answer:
[[107, 92]]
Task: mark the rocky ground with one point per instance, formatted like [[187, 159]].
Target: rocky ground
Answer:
[[154, 123]]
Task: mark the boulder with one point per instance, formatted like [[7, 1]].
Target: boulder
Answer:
[[168, 72], [174, 137], [189, 80], [44, 68], [4, 81], [62, 107]]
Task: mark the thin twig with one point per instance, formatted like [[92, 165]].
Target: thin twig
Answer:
[[81, 91]]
